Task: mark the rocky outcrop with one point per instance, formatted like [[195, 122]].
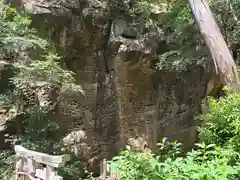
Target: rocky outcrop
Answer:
[[5, 73], [155, 104], [5, 120], [126, 100]]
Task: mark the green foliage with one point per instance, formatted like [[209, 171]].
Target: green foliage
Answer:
[[207, 162], [38, 134], [73, 169], [47, 69], [227, 14], [177, 23], [186, 47], [135, 10], [6, 99], [34, 61], [176, 61], [221, 125], [133, 165], [15, 34], [6, 164], [41, 65], [168, 149], [200, 165], [181, 31]]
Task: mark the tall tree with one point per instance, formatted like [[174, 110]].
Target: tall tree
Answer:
[[224, 64]]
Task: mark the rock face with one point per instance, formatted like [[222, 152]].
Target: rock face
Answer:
[[126, 99]]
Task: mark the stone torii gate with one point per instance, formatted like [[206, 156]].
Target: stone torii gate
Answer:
[[33, 165]]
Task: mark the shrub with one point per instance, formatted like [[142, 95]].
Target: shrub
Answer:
[[15, 34], [168, 149], [221, 124], [134, 165], [207, 162]]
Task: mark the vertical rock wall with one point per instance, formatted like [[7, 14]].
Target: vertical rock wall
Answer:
[[126, 100]]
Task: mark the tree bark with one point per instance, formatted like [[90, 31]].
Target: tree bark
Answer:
[[223, 61]]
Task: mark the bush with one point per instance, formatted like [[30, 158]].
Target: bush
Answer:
[[207, 162], [133, 165], [221, 124], [167, 149]]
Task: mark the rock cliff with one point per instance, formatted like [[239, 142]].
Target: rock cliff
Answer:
[[126, 100]]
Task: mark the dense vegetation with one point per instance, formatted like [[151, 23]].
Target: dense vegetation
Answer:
[[204, 163], [34, 61]]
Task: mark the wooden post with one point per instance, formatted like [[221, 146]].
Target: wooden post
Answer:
[[104, 169], [19, 166], [106, 172], [224, 64]]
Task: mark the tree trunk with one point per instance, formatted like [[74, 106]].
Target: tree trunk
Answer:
[[223, 61]]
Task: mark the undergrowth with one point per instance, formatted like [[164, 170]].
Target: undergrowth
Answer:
[[34, 62], [204, 162]]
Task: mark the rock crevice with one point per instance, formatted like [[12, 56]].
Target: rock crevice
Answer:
[[126, 100]]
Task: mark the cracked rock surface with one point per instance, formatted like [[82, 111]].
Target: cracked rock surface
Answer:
[[126, 100]]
